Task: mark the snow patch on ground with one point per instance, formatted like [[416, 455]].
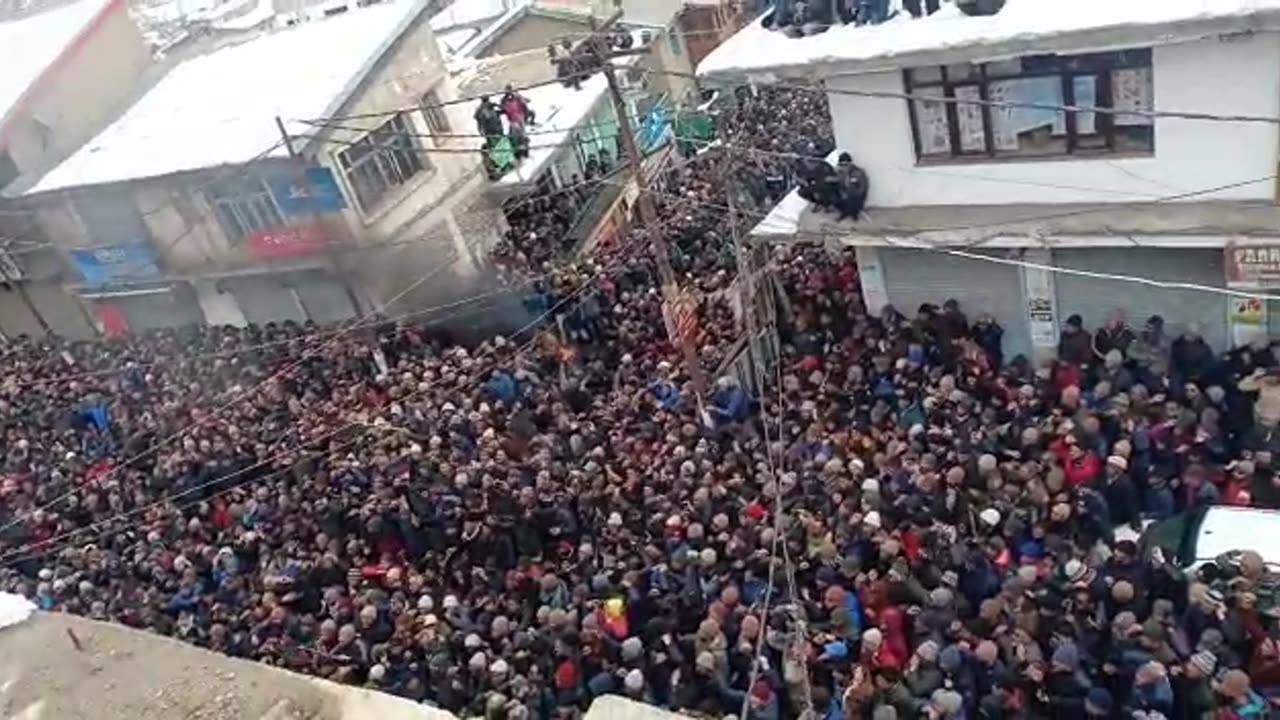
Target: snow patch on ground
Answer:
[[14, 609]]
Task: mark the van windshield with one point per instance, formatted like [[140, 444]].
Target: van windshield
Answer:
[[1176, 537]]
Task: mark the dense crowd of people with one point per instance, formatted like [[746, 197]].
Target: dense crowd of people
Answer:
[[903, 525]]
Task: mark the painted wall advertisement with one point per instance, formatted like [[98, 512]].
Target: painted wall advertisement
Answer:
[[116, 263]]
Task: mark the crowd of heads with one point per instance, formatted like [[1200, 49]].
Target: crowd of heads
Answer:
[[897, 524]]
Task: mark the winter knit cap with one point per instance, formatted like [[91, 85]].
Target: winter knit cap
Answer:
[[1205, 661], [632, 648], [947, 702], [928, 651], [950, 660], [705, 661], [634, 681], [1098, 701], [872, 637], [1067, 656]]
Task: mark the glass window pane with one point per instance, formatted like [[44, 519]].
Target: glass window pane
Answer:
[[1004, 68], [1028, 131], [962, 72], [925, 75]]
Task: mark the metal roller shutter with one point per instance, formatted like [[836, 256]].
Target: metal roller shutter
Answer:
[[265, 299], [160, 310], [324, 297], [1094, 298], [915, 277], [16, 317], [63, 311]]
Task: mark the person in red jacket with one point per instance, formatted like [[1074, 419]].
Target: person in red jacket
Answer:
[[1079, 465]]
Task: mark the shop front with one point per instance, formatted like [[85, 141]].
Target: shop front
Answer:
[[1171, 277], [1253, 267], [127, 291]]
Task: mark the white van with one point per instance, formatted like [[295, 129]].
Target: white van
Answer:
[[1201, 535]]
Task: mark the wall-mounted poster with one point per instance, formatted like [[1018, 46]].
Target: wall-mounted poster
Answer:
[[931, 124], [969, 114], [1131, 89]]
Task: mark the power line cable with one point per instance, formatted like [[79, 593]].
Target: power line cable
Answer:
[[1060, 107], [1150, 282], [252, 391], [24, 554]]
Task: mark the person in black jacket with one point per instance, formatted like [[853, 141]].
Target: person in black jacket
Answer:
[[1075, 345]]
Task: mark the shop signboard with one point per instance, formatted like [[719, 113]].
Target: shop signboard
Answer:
[[286, 241], [312, 190], [1253, 265], [116, 263]]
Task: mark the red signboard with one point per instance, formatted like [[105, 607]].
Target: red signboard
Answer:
[[1253, 265], [286, 241]]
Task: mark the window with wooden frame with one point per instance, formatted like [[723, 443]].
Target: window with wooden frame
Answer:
[[962, 126], [433, 112], [385, 159], [243, 206]]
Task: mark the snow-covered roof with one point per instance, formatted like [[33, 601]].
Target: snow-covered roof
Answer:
[[559, 110], [34, 42], [1022, 26], [464, 13], [220, 108]]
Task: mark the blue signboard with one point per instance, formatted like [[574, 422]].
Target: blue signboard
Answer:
[[115, 263], [314, 191], [654, 129]]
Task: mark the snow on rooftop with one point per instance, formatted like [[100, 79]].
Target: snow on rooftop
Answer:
[[559, 111], [32, 43], [784, 218], [472, 12], [452, 41], [757, 49], [220, 108]]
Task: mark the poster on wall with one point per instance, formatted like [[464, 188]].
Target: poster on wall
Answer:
[[931, 119], [1131, 90], [969, 114], [1248, 320]]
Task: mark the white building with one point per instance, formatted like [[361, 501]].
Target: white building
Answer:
[[994, 205]]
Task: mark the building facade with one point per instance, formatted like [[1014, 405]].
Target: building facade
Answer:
[[369, 206], [1011, 194]]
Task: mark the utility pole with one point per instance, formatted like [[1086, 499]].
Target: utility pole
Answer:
[[301, 165], [648, 215]]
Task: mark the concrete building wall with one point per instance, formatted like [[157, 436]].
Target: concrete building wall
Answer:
[[1222, 76], [671, 58], [534, 31], [79, 94], [412, 231]]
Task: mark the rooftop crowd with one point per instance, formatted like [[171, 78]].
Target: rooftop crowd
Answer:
[[513, 529]]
